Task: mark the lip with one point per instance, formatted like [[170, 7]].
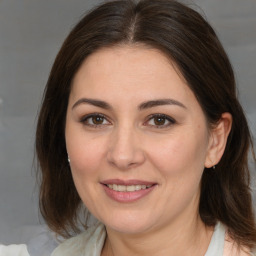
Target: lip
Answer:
[[127, 197], [127, 182]]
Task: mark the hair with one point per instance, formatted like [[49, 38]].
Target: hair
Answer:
[[187, 39]]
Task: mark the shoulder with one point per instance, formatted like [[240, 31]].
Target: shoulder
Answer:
[[88, 243], [14, 249], [231, 248]]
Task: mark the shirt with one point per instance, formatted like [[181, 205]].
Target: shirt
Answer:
[[91, 242]]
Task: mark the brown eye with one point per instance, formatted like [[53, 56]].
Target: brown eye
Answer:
[[97, 120], [159, 120]]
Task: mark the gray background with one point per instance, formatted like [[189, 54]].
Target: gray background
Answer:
[[31, 32]]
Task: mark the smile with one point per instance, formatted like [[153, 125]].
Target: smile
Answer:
[[130, 188], [127, 191]]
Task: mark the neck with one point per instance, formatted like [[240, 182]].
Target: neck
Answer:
[[184, 239]]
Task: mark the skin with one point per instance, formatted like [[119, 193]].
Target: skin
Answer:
[[128, 143]]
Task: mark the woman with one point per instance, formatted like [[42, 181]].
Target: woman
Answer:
[[140, 124]]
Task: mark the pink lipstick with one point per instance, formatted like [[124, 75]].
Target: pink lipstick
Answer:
[[126, 191]]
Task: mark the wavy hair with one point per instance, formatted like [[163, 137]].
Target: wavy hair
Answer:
[[186, 38]]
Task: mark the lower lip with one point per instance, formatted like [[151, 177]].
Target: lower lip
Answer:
[[127, 197]]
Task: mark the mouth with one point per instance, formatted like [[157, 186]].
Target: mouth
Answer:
[[127, 191], [130, 188]]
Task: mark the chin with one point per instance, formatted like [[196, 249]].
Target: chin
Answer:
[[128, 228], [130, 224]]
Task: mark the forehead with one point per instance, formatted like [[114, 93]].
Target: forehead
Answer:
[[129, 68], [125, 77]]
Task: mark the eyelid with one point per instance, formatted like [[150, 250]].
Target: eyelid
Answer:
[[171, 120], [84, 118]]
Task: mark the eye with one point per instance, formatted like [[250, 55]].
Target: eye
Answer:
[[95, 120], [160, 121]]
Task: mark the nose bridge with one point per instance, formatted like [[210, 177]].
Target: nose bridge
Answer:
[[124, 149]]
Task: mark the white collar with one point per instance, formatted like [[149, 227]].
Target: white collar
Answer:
[[90, 242], [216, 245]]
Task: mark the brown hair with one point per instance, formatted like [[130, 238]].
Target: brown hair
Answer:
[[188, 40]]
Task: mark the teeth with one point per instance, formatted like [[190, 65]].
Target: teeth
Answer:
[[130, 188], [138, 187], [121, 188]]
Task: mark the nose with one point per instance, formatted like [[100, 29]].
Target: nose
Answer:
[[125, 150]]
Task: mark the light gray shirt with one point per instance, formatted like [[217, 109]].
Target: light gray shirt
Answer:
[[91, 242]]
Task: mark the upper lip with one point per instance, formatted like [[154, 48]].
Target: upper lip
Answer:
[[127, 182]]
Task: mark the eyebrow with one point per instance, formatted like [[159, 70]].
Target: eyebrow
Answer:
[[97, 103], [160, 102], [142, 106]]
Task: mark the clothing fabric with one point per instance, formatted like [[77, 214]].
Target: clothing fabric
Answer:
[[95, 238], [91, 242], [216, 246], [14, 250]]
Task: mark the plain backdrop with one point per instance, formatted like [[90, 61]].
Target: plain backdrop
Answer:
[[31, 32]]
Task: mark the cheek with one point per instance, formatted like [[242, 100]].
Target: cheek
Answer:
[[85, 161], [86, 153], [180, 154]]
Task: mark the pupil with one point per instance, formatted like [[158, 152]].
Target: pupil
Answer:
[[97, 120], [159, 120]]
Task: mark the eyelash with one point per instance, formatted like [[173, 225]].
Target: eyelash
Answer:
[[170, 120], [85, 120]]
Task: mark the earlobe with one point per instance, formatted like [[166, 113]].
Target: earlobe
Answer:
[[218, 140]]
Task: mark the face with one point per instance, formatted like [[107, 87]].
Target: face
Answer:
[[137, 140]]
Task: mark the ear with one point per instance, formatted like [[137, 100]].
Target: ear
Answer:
[[218, 140]]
